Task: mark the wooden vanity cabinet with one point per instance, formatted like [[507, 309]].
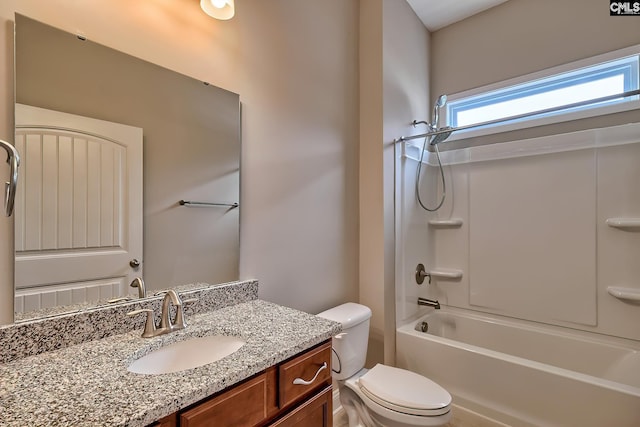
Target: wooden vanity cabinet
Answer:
[[270, 398], [316, 411], [169, 421]]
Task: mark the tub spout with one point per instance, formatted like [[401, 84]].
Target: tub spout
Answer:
[[429, 302]]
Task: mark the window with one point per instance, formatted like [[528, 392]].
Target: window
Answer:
[[531, 94]]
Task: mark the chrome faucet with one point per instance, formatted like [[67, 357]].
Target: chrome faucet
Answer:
[[429, 302], [139, 283], [166, 324]]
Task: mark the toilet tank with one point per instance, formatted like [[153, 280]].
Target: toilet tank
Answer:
[[349, 346]]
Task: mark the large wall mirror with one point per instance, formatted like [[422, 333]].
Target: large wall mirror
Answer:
[[110, 145]]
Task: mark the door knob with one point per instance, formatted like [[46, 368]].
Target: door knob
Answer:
[[134, 263]]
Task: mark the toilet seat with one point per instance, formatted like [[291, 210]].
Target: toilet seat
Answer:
[[404, 391]]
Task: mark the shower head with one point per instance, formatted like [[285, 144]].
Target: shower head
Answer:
[[441, 137], [440, 102], [442, 99]]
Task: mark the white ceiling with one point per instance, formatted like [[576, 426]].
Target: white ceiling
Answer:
[[436, 14]]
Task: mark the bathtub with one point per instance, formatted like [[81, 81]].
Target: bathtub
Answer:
[[523, 373]]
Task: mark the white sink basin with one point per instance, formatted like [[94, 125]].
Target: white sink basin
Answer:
[[186, 354]]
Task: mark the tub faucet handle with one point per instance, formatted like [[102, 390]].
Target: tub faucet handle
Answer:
[[421, 273]]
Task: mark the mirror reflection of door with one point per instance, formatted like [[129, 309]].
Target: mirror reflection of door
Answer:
[[78, 209]]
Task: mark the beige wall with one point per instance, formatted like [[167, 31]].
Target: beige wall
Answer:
[[294, 64], [299, 91], [406, 97], [523, 36], [394, 48], [372, 266]]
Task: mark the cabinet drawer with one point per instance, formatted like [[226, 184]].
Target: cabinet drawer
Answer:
[[307, 367], [315, 412], [242, 406]]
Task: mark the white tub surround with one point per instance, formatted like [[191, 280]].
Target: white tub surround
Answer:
[[545, 230], [526, 374], [545, 233]]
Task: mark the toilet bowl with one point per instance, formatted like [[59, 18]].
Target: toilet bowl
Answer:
[[383, 396]]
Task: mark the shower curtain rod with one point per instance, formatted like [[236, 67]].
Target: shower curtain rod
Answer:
[[520, 116]]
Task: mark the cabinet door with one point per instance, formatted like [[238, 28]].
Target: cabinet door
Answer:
[[168, 421], [245, 405], [315, 412]]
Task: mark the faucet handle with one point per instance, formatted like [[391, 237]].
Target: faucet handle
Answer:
[[179, 322], [149, 324]]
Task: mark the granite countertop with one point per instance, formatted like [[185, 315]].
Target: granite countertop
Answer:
[[88, 384]]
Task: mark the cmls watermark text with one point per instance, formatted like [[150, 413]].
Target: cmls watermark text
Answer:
[[622, 8]]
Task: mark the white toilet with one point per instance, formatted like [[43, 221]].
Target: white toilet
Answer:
[[382, 396]]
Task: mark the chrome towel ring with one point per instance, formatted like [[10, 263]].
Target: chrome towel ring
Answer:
[[10, 186]]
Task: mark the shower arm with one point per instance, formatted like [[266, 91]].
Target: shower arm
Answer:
[[447, 129]]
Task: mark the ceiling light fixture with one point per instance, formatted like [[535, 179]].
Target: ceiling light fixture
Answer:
[[219, 9]]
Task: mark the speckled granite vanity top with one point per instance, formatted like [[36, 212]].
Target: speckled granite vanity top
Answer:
[[88, 384]]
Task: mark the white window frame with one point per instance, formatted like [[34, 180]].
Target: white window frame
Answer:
[[632, 103]]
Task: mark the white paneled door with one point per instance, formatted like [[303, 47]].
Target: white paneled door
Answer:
[[78, 207]]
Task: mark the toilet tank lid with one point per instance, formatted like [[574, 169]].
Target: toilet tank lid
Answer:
[[349, 314]]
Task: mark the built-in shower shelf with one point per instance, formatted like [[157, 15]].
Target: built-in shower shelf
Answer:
[[446, 223], [624, 293], [445, 273], [624, 223]]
